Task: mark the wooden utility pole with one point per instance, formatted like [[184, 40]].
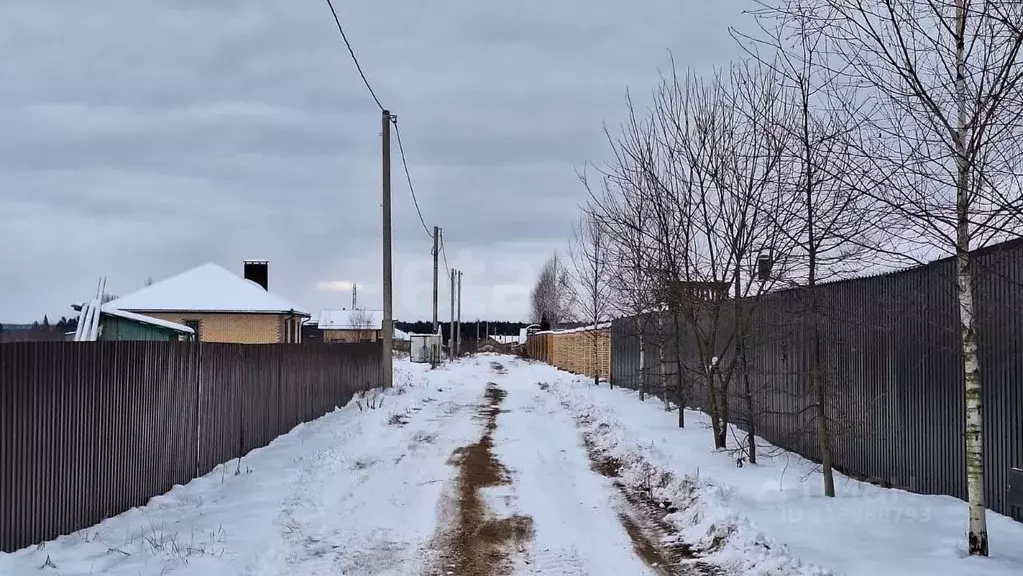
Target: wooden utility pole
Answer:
[[458, 332], [388, 322], [451, 329], [436, 239]]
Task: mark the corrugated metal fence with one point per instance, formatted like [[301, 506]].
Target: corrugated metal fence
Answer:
[[890, 352], [90, 429]]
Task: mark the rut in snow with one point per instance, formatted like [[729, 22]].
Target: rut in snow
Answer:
[[654, 539]]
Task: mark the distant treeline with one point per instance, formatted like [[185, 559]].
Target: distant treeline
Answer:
[[39, 330], [468, 328]]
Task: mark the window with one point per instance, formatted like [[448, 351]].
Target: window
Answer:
[[292, 330], [195, 326]]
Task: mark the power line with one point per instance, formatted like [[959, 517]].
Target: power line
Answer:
[[397, 131], [354, 58], [445, 254], [408, 178]]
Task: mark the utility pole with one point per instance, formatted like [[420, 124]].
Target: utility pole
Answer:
[[451, 330], [436, 238], [388, 323], [458, 341]]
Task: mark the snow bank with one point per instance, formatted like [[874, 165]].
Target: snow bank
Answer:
[[704, 519], [771, 518]]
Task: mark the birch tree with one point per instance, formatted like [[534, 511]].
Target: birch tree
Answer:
[[948, 73]]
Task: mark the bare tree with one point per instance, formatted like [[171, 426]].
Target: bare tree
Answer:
[[693, 194], [831, 230], [948, 74], [757, 146], [618, 207], [551, 299], [360, 319], [592, 278]]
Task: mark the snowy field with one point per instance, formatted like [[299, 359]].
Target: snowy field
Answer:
[[496, 466]]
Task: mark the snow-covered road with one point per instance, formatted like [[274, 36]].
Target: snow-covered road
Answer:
[[577, 513], [493, 466]]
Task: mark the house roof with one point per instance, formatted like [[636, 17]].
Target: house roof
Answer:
[[142, 319], [505, 339], [601, 326], [351, 319], [206, 288]]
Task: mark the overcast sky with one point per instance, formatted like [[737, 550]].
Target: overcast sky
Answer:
[[140, 138]]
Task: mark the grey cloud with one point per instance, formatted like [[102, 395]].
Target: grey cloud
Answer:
[[142, 137]]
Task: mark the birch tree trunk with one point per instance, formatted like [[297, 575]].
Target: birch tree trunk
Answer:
[[977, 531], [971, 366]]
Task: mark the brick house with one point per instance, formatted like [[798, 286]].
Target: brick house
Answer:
[[350, 325], [355, 326], [221, 306]]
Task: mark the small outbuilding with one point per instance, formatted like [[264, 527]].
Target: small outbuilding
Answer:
[[119, 325], [426, 348]]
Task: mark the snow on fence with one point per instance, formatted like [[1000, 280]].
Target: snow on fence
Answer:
[[91, 429], [891, 360], [585, 350]]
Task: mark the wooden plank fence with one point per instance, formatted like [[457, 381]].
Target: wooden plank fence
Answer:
[[91, 429], [573, 350]]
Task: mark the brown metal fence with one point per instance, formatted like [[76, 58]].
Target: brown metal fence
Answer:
[[91, 429], [891, 357]]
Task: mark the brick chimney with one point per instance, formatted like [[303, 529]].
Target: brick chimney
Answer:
[[258, 272]]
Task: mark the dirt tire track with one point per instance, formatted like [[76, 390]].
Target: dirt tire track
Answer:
[[655, 540], [474, 542]]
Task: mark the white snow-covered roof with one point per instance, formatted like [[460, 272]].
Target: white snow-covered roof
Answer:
[[356, 320], [206, 288], [601, 326], [505, 339], [351, 319], [143, 319]]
